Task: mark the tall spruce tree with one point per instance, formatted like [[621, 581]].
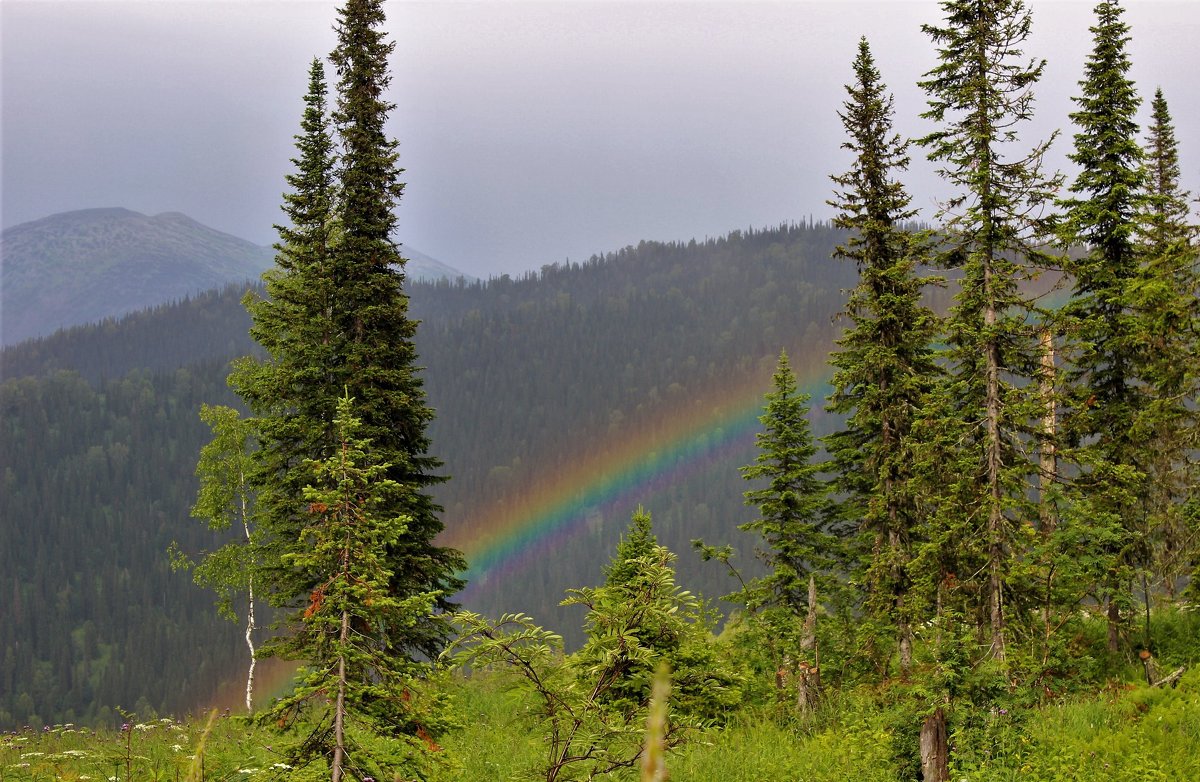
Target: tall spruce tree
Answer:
[[1105, 392], [1168, 322], [336, 323], [979, 95], [377, 358], [884, 367]]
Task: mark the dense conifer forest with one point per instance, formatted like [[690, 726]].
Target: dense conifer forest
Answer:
[[101, 429]]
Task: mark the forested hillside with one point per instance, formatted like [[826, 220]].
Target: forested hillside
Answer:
[[100, 433]]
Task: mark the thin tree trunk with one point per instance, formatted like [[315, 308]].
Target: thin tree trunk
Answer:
[[253, 655], [808, 677], [339, 722], [1047, 456], [1114, 623], [995, 515], [249, 617], [935, 748]]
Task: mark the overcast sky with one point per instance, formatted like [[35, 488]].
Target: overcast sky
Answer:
[[530, 132]]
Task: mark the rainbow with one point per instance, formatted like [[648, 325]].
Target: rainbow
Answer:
[[500, 542]]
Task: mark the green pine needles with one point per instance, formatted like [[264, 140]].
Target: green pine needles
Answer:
[[884, 367], [355, 697], [340, 471], [979, 95]]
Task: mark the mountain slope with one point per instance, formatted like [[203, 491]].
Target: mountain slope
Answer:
[[85, 266]]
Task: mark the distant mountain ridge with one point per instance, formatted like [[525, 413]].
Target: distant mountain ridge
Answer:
[[85, 266]]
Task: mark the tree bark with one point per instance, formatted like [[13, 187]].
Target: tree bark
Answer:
[[994, 461], [1047, 456], [808, 677], [250, 609], [935, 748], [1114, 625], [339, 714]]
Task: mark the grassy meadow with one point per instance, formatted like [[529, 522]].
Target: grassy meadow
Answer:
[[1124, 731]]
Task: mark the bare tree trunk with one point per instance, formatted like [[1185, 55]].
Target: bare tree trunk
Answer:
[[1148, 664], [1114, 624], [993, 459], [253, 656], [935, 748], [995, 527], [1047, 456], [809, 641], [249, 616], [339, 713], [808, 677]]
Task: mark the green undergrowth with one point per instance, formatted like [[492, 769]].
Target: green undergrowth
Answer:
[[1119, 730]]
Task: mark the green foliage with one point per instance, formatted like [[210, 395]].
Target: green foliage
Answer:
[[977, 469], [1105, 391], [657, 306], [640, 618], [884, 366], [224, 500], [1164, 296], [356, 697], [792, 509], [336, 321], [592, 706], [1115, 731], [91, 626]]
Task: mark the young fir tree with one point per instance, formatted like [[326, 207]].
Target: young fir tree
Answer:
[[639, 619], [792, 513], [354, 694], [884, 367], [979, 94], [1105, 392], [592, 706], [336, 322], [1165, 301]]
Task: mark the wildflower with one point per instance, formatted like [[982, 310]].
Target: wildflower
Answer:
[[125, 726]]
